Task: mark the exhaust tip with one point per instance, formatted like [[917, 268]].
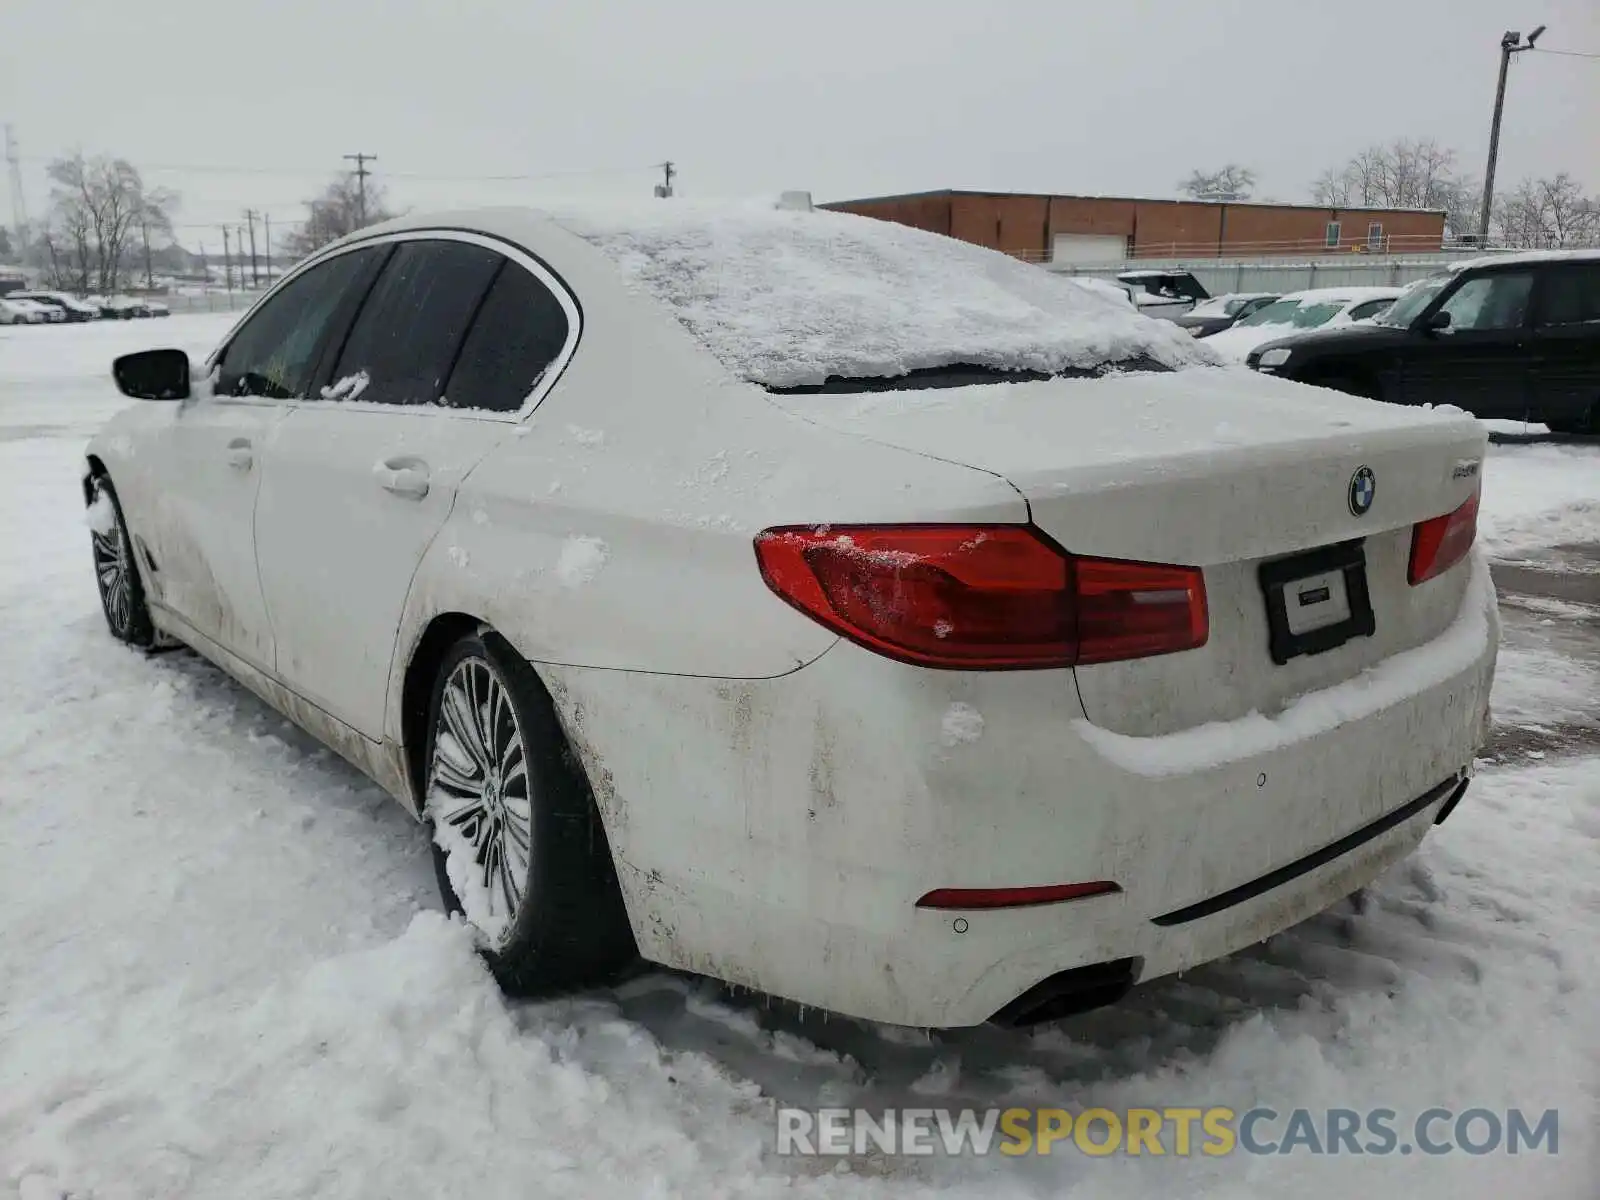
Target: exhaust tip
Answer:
[[1068, 993]]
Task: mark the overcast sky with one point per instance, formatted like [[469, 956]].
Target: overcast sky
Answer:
[[841, 97]]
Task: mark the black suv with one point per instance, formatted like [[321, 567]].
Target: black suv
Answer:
[[1516, 336]]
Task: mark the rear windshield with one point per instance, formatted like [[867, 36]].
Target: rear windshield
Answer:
[[794, 300], [960, 375], [1301, 314]]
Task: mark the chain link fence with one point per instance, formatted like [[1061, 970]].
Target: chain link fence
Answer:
[[1219, 276], [213, 301]]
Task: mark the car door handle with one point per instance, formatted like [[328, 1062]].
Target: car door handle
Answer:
[[240, 455], [406, 477]]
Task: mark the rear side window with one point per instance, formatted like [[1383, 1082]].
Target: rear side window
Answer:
[[520, 331], [275, 352], [1571, 296], [403, 344]]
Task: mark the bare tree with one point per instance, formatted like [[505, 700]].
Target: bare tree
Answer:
[[6, 249], [1230, 182], [99, 208], [1547, 213], [1401, 174], [336, 212]]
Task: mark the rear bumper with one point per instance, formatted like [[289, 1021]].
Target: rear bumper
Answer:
[[788, 852]]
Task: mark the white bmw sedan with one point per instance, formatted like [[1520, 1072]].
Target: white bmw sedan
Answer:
[[822, 605]]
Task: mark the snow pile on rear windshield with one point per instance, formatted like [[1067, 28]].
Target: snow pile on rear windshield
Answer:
[[786, 299]]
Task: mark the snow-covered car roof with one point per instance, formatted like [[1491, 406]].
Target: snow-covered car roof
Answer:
[[1525, 256], [788, 298], [1344, 295]]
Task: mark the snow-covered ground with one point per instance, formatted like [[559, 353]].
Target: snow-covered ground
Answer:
[[223, 971]]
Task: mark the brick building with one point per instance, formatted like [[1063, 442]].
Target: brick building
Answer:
[[1107, 229]]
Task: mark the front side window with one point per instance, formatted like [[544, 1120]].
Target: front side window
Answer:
[[275, 352], [404, 342], [519, 332], [1497, 301], [1370, 309]]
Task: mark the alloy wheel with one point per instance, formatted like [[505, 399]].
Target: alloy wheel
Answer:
[[113, 563], [478, 796]]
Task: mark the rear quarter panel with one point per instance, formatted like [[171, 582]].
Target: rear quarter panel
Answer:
[[615, 528]]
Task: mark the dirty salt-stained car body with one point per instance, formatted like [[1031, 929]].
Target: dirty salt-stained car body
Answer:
[[822, 605]]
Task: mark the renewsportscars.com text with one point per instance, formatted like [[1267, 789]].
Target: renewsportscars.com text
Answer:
[[1180, 1132]]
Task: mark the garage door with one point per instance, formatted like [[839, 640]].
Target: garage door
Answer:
[[1089, 248]]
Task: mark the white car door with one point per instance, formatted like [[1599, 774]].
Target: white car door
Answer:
[[205, 458], [360, 482]]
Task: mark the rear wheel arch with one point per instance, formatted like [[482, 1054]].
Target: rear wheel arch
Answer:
[[578, 931], [96, 470], [416, 690]]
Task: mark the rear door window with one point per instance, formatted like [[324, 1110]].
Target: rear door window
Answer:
[[519, 333], [404, 343], [275, 352], [1570, 296]]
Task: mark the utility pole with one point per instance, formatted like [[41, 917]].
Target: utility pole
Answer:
[[266, 222], [361, 161], [227, 261], [255, 269], [149, 279], [19, 204], [1510, 44], [664, 188]]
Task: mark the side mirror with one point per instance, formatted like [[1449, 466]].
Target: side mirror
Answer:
[[153, 375], [1439, 320]]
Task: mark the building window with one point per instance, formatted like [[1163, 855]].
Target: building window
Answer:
[[1375, 235], [1332, 238]]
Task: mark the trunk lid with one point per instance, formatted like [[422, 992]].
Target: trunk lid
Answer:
[[1221, 469]]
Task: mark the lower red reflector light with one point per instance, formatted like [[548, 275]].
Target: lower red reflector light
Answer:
[[1022, 897]]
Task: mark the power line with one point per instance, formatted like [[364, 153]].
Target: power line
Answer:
[[320, 172], [1569, 53]]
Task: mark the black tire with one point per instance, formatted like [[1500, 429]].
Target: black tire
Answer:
[[1586, 424], [122, 598], [568, 929]]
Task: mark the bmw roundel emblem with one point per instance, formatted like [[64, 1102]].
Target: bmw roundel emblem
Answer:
[[1363, 488]]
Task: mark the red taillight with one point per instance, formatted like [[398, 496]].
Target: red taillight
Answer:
[[1441, 543], [1020, 897], [987, 597]]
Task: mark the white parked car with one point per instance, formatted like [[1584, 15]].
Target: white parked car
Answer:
[[1319, 308], [21, 311], [72, 309], [14, 312], [812, 602]]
